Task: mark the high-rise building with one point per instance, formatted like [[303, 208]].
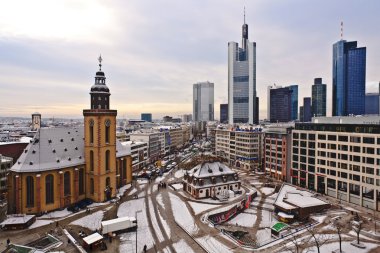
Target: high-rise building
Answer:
[[372, 103], [242, 80], [349, 70], [223, 113], [307, 109], [318, 98], [203, 101], [294, 101], [280, 104], [146, 116]]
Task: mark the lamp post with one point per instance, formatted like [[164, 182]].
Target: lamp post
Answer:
[[138, 211]]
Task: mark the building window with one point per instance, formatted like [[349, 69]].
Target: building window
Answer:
[[108, 125], [49, 189], [92, 188], [29, 191], [91, 130], [108, 182], [107, 160], [66, 183], [91, 160], [81, 181]]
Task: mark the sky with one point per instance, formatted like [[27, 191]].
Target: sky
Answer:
[[155, 50]]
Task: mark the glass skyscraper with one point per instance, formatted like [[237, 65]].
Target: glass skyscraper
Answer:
[[203, 101], [223, 113], [242, 102], [318, 98], [280, 105], [349, 70], [294, 101]]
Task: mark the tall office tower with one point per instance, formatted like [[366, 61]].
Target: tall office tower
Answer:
[[280, 105], [242, 80], [223, 113], [268, 101], [203, 101], [294, 98], [318, 98], [146, 116], [372, 103], [349, 69], [307, 109]]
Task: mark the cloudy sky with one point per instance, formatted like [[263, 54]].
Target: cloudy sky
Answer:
[[155, 50]]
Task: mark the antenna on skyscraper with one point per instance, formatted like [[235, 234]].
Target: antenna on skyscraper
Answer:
[[341, 30], [244, 14]]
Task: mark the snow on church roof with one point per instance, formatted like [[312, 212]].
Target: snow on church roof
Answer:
[[56, 148]]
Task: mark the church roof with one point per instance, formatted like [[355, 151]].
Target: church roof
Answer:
[[57, 148], [52, 148]]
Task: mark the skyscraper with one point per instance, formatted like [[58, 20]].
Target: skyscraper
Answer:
[[223, 113], [307, 109], [294, 101], [203, 101], [242, 80], [349, 69], [280, 104], [146, 116], [318, 98]]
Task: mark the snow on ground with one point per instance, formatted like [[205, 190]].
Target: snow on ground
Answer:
[[166, 250], [351, 209], [39, 223], [244, 220], [141, 194], [159, 179], [212, 245], [252, 211], [91, 221], [142, 181], [132, 192], [164, 224], [123, 189], [198, 207], [320, 219], [256, 183], [154, 222], [182, 246], [177, 186], [179, 174], [182, 215], [96, 204], [144, 236], [267, 190], [56, 214], [267, 220], [263, 236], [159, 200], [346, 247]]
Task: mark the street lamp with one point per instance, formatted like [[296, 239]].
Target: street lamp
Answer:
[[138, 211]]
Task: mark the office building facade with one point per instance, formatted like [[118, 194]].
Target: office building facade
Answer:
[[306, 109], [349, 70], [294, 102], [242, 81], [339, 157], [203, 101], [280, 105], [146, 116], [223, 113], [318, 98], [372, 103]]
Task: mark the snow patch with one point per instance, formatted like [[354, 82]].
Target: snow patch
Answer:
[[91, 221], [199, 207]]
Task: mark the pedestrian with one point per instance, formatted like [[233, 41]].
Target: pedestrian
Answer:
[[145, 248], [8, 242], [56, 223]]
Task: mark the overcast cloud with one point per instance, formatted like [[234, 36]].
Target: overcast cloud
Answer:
[[155, 50]]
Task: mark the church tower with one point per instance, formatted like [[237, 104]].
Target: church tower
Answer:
[[100, 141]]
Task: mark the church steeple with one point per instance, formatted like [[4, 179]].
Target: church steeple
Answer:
[[99, 91], [244, 39]]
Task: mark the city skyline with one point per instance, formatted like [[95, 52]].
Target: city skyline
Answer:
[[152, 59]]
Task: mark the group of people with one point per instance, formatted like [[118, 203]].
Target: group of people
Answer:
[[161, 185]]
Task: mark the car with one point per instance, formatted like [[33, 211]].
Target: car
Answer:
[[73, 208]]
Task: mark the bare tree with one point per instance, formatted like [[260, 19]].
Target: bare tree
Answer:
[[319, 239], [297, 242], [339, 227], [357, 226]]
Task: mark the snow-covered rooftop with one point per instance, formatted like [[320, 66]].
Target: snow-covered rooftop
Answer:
[[17, 219], [56, 148], [92, 238], [291, 197], [210, 169]]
